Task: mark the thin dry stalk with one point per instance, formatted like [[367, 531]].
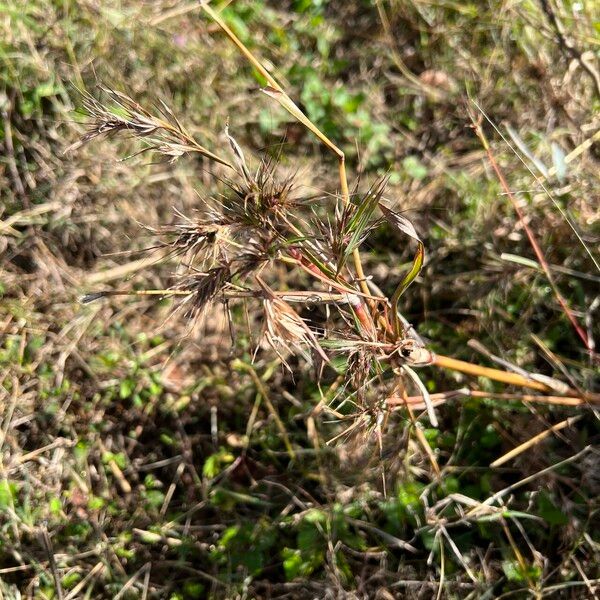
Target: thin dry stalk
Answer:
[[262, 390], [530, 235], [496, 374], [442, 397], [422, 439], [536, 439], [499, 495]]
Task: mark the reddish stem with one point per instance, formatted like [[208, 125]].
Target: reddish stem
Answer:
[[532, 240], [359, 306]]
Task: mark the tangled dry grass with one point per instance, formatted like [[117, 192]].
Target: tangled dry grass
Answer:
[[278, 387]]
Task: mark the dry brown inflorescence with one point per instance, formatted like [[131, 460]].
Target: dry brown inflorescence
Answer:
[[258, 222]]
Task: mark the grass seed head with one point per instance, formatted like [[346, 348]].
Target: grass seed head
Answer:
[[203, 289], [163, 134], [188, 239], [284, 330]]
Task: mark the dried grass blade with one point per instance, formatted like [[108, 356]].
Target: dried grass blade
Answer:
[[552, 171], [443, 397], [262, 390], [239, 156], [426, 397], [534, 440], [286, 102]]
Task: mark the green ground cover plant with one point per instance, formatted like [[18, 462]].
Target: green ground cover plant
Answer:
[[299, 299]]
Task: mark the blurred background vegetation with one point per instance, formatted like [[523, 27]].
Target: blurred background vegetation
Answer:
[[127, 466]]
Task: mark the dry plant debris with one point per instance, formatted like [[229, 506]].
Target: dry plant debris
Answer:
[[280, 385]]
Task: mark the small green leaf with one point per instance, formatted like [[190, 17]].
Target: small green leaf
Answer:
[[70, 580], [47, 89], [314, 515], [229, 534], [126, 388], [215, 463], [512, 570], [55, 506], [95, 503], [154, 499], [193, 590], [414, 167], [408, 279], [7, 494], [292, 563], [119, 458], [549, 512]]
